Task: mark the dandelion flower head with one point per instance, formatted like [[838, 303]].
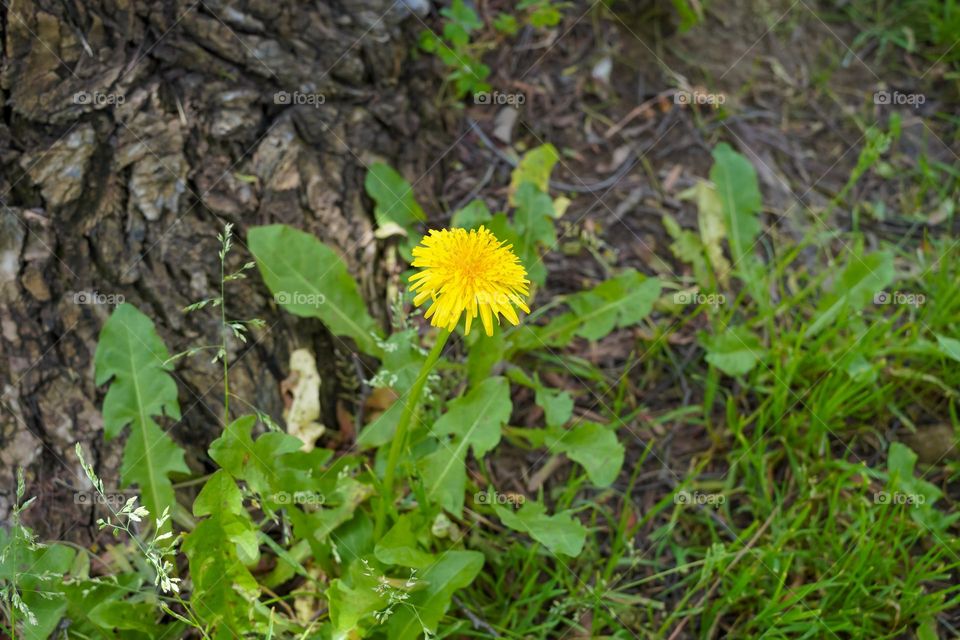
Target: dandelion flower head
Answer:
[[468, 273]]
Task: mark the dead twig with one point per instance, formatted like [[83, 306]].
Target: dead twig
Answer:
[[478, 622]]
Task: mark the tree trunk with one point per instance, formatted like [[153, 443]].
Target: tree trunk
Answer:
[[133, 131]]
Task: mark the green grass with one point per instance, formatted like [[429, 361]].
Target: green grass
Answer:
[[926, 27], [797, 448]]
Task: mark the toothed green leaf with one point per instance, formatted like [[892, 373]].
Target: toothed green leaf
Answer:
[[131, 356], [560, 533]]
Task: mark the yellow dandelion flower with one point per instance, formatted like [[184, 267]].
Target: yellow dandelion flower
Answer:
[[468, 272]]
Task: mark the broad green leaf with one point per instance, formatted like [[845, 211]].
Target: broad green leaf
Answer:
[[381, 429], [860, 281], [619, 302], [505, 231], [927, 628], [484, 354], [859, 368], [534, 222], [452, 571], [48, 612], [736, 183], [459, 37], [104, 605], [545, 15], [37, 572], [473, 420], [444, 473], [594, 447], [534, 167], [124, 614], [690, 13], [395, 202], [219, 495], [688, 248], [616, 303], [131, 355], [506, 24], [560, 533], [354, 538], [735, 351], [357, 596], [461, 14], [469, 75], [557, 405], [310, 280], [471, 216], [534, 217], [476, 418], [901, 463], [510, 234], [949, 347], [399, 545], [711, 225], [339, 507], [429, 41], [351, 601], [253, 462], [219, 550]]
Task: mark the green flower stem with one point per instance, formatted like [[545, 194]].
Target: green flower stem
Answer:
[[400, 437]]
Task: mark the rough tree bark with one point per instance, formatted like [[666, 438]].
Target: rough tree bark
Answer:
[[132, 131]]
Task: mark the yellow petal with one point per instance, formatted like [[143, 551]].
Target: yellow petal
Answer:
[[487, 320]]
